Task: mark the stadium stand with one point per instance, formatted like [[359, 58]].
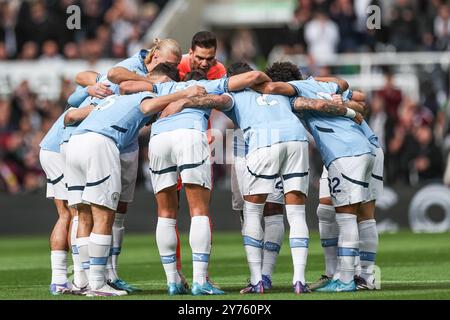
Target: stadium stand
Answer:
[[412, 122]]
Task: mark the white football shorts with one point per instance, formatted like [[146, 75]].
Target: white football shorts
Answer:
[[53, 165], [237, 178], [287, 161], [182, 151], [93, 170], [349, 179]]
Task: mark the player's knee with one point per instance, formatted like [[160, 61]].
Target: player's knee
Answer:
[[271, 209], [168, 213], [295, 198], [63, 210], [256, 198], [326, 201], [366, 211], [352, 209]]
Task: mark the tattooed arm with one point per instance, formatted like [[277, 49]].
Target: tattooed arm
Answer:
[[209, 101], [326, 106]]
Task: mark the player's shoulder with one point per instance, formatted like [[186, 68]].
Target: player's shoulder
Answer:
[[217, 71], [184, 63]]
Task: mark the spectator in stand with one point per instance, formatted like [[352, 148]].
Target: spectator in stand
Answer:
[[322, 37], [244, 47], [379, 120], [91, 17], [3, 54], [50, 52], [428, 160], [121, 16], [71, 51], [442, 28], [404, 27], [34, 22], [401, 144], [29, 51], [294, 37], [104, 39], [391, 95], [343, 14]]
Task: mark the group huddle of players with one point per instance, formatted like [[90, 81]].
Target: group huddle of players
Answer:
[[90, 157]]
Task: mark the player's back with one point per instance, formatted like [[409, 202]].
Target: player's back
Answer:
[[336, 136], [188, 118], [117, 117], [52, 139], [135, 63], [266, 119]]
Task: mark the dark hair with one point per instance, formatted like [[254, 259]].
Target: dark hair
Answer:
[[238, 68], [195, 75], [168, 69], [204, 39], [284, 72]]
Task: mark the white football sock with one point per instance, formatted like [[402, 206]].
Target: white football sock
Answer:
[[79, 277], [200, 241], [99, 246], [110, 273], [329, 234], [368, 243], [116, 247], [59, 266], [298, 240], [118, 231], [83, 254], [166, 240], [253, 235], [273, 238], [348, 245]]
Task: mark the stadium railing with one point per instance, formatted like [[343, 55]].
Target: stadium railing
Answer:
[[369, 76]]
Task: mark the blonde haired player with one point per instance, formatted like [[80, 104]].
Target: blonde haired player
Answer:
[[144, 61]]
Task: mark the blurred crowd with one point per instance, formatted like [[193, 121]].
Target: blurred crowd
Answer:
[[110, 28], [414, 134], [322, 28]]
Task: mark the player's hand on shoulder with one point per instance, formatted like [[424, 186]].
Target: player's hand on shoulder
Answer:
[[194, 91], [99, 90], [173, 108]]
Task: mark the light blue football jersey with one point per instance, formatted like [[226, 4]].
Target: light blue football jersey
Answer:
[[240, 148], [52, 139], [336, 137], [115, 88], [135, 63], [188, 118], [346, 96], [67, 131], [78, 96], [56, 135], [118, 118], [265, 119]]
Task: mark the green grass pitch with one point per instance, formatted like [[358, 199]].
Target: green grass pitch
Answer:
[[413, 266]]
